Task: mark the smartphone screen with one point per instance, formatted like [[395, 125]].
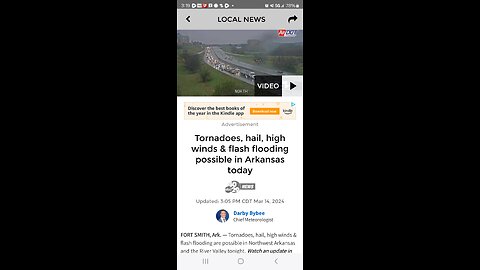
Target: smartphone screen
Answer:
[[240, 135]]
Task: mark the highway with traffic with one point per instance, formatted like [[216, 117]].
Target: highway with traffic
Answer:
[[221, 61]]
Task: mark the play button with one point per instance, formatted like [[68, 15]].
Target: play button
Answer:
[[292, 85]]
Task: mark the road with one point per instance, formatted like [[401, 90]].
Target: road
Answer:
[[257, 69], [218, 59]]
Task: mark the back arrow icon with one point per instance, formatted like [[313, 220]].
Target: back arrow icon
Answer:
[[188, 19], [276, 260]]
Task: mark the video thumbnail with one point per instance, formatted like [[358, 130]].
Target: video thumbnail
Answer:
[[225, 62]]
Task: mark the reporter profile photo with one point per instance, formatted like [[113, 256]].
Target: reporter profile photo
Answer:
[[222, 216]]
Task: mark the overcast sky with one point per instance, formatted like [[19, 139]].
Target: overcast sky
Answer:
[[237, 36]]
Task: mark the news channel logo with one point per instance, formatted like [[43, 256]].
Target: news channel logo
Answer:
[[235, 186], [286, 33]]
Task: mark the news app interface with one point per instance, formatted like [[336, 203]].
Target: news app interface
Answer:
[[240, 135]]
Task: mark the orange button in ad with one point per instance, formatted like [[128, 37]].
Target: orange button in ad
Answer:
[[265, 111]]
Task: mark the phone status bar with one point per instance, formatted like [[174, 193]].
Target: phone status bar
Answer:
[[237, 5]]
